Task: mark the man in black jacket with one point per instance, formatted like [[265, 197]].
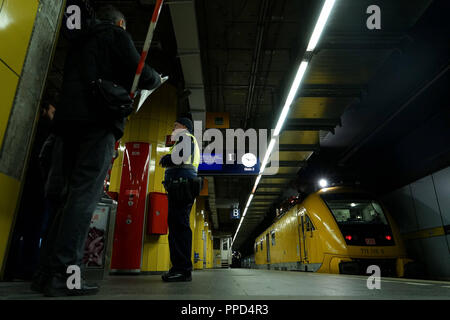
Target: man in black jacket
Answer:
[[84, 144]]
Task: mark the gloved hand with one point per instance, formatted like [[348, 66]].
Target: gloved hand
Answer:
[[166, 161]]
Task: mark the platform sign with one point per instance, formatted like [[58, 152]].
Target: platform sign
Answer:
[[210, 163], [216, 164], [235, 213]]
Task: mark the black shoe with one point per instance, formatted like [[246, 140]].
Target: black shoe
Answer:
[[176, 276], [57, 287]]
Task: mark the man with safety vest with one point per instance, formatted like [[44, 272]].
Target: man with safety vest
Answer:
[[182, 187]]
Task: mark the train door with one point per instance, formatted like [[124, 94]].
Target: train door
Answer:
[[225, 252], [310, 239], [204, 248], [268, 247], [306, 239], [302, 240]]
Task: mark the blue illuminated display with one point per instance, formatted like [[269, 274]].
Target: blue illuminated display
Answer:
[[224, 169]]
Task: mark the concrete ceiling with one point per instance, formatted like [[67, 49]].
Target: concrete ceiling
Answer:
[[250, 50]]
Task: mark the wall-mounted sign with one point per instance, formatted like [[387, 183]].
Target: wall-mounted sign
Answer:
[[235, 213], [216, 164]]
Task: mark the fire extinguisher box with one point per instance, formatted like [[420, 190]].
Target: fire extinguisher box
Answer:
[[157, 213]]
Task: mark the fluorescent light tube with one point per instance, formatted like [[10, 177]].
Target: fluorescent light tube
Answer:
[[249, 200], [267, 155], [256, 183], [298, 78], [320, 24]]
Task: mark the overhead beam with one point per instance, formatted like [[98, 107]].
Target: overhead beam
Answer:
[[272, 185], [291, 163], [360, 41], [299, 147], [311, 124], [358, 46], [330, 90], [279, 176], [263, 193]]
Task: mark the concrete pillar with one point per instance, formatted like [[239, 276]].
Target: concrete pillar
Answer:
[[21, 114]]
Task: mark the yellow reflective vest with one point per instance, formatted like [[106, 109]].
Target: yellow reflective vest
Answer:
[[193, 160]]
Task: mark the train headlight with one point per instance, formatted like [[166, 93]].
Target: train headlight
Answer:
[[323, 183]]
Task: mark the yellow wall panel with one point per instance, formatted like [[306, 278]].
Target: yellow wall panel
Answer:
[[16, 25], [211, 252], [209, 262], [150, 255], [163, 262], [192, 225], [8, 85], [9, 192], [198, 237]]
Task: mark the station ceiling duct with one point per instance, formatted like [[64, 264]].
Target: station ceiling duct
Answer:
[[186, 33]]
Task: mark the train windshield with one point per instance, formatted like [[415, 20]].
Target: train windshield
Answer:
[[348, 209]]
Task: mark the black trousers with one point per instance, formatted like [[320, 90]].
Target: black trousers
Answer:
[[75, 185], [180, 233]]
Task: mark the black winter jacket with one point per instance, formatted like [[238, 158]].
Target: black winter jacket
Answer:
[[106, 51]]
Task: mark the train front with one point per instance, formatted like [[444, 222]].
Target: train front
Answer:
[[367, 231]]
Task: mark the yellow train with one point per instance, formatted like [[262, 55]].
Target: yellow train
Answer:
[[334, 230]]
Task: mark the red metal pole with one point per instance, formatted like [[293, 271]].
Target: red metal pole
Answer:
[[148, 40]]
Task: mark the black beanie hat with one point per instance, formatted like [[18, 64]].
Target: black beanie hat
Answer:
[[187, 123]]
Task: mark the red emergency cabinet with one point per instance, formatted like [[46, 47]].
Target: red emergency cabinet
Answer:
[[131, 209], [157, 213]]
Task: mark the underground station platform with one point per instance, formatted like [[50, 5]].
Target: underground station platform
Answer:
[[317, 177], [246, 284]]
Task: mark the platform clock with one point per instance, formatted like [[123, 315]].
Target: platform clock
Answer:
[[249, 160]]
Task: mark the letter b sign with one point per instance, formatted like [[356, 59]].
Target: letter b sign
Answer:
[[235, 213]]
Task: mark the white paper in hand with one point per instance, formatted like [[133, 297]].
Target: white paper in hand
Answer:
[[145, 93]]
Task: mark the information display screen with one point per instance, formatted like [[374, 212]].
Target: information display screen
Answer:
[[215, 164]]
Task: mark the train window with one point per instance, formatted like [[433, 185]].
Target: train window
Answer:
[[308, 225], [225, 245], [341, 214], [216, 243], [351, 211], [273, 238], [261, 245]]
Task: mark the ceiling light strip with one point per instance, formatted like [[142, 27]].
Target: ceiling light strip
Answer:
[[320, 25]]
